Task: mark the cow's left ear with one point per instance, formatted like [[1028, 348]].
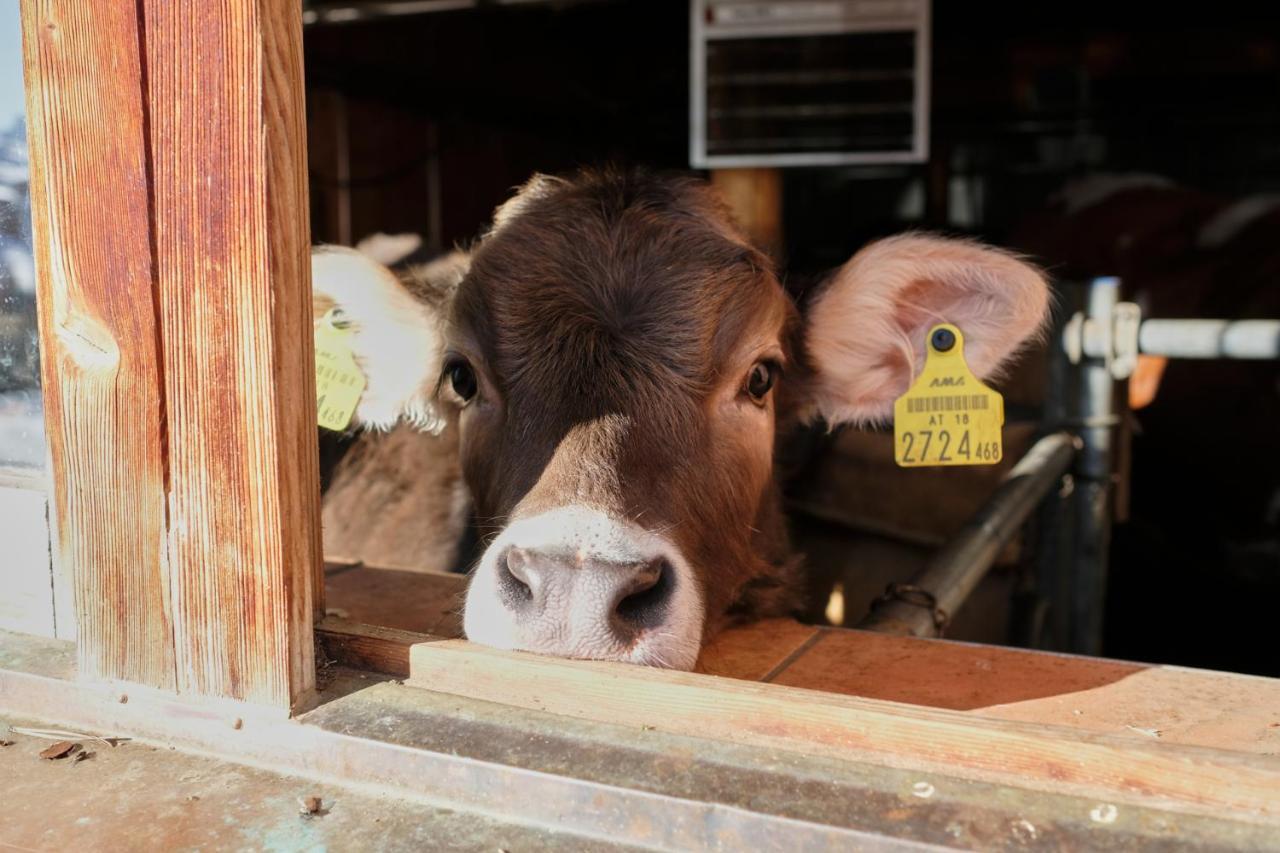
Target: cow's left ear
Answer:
[[865, 331]]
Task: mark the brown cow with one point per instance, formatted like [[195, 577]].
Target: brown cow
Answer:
[[623, 363]]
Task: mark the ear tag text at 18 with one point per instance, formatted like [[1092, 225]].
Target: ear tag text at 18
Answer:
[[947, 416], [339, 382]]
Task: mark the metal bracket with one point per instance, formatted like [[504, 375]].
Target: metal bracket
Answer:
[[1115, 342], [1126, 319]]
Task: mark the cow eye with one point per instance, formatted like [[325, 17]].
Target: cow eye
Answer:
[[761, 380], [462, 378]]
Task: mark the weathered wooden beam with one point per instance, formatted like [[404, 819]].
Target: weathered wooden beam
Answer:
[[170, 206], [1115, 768], [228, 159], [100, 362], [368, 647]]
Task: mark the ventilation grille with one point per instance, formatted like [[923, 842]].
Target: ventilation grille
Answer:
[[809, 83]]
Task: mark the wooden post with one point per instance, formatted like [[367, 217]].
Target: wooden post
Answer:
[[99, 342], [755, 198], [171, 169]]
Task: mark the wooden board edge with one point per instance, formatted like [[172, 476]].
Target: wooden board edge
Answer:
[[1047, 757]]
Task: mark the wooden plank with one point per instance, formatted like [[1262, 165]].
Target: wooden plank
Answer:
[[372, 647], [754, 652], [1050, 758], [1142, 703], [227, 137], [411, 601], [1131, 701], [98, 339], [26, 604]]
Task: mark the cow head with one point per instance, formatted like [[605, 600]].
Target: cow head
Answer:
[[622, 362]]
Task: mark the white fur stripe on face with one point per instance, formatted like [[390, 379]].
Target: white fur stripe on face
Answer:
[[576, 624]]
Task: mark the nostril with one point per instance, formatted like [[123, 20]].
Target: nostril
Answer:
[[644, 601], [514, 584]]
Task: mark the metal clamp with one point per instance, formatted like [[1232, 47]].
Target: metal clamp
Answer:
[[1113, 339], [917, 597], [1126, 320]]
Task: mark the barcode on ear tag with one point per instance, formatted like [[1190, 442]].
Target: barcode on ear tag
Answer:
[[339, 382], [947, 417]]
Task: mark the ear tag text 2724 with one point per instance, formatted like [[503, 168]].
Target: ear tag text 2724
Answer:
[[339, 382], [947, 416]]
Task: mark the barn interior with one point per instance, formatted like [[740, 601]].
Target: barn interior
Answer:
[[180, 666], [1106, 142]]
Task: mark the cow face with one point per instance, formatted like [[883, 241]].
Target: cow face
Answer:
[[621, 360]]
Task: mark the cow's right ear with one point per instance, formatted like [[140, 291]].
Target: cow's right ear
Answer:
[[397, 337], [865, 331]]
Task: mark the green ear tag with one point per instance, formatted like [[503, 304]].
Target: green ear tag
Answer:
[[339, 382], [947, 417]]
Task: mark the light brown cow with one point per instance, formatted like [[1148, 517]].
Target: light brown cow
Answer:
[[623, 363]]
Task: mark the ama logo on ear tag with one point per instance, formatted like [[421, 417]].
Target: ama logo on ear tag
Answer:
[[339, 382], [947, 417]]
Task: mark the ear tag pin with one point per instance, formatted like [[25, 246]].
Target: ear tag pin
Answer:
[[339, 382], [947, 416]]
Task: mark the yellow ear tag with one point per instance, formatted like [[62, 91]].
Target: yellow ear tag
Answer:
[[947, 417], [339, 382]]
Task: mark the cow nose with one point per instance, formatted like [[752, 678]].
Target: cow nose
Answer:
[[628, 596]]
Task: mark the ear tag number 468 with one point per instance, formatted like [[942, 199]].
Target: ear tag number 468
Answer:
[[947, 417]]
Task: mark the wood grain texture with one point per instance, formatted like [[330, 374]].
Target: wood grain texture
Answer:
[[393, 598], [1140, 702], [372, 647], [227, 139], [754, 652], [1117, 770], [98, 337]]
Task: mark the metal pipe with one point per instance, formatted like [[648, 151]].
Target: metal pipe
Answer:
[[1042, 620], [1243, 339], [922, 607], [1210, 338], [1091, 497]]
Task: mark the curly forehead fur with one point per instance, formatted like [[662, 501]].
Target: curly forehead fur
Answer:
[[637, 284]]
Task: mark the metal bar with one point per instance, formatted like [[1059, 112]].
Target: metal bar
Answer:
[[1091, 497], [1240, 339], [954, 571], [1251, 339]]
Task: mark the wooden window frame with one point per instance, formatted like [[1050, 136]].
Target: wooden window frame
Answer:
[[170, 212], [169, 207]]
